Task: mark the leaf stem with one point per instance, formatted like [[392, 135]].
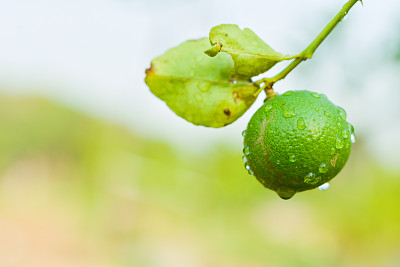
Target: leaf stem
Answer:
[[309, 51]]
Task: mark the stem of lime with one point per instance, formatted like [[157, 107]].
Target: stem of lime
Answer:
[[309, 51]]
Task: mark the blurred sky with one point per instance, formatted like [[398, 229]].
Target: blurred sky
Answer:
[[92, 54]]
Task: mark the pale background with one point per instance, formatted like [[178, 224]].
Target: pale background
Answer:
[[92, 55]]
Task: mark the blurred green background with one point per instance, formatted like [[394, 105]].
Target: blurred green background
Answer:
[[98, 172], [76, 191]]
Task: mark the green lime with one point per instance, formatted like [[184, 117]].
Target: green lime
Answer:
[[297, 141]]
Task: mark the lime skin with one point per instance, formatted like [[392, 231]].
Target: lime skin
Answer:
[[297, 141]]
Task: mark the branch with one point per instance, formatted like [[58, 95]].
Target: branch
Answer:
[[309, 51]]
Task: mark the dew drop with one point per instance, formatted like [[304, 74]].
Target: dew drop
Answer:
[[342, 113], [278, 162], [316, 109], [203, 87], [345, 133], [301, 124], [353, 138], [323, 168], [285, 193], [288, 93], [246, 150], [311, 178], [352, 133], [292, 158], [339, 142], [327, 114], [288, 113], [244, 159], [323, 187], [344, 16], [247, 167], [268, 107], [333, 150], [316, 95], [310, 101], [244, 133], [351, 128]]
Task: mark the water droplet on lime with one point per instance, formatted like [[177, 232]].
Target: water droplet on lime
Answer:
[[288, 113], [316, 109], [353, 138], [351, 128], [345, 133], [339, 142], [316, 95], [246, 150], [244, 133], [301, 124], [342, 113], [352, 133], [292, 158], [268, 107], [288, 93], [323, 168], [310, 178], [327, 114], [285, 193], [323, 187], [244, 159]]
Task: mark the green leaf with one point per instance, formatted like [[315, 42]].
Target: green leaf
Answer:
[[252, 56], [199, 88]]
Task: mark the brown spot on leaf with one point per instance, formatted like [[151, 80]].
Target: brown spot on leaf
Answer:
[[227, 112]]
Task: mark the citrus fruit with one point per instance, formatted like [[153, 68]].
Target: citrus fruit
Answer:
[[297, 141]]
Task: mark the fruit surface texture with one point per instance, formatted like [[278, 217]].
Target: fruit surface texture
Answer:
[[297, 141]]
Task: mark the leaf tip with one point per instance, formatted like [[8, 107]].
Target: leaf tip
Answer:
[[214, 50]]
